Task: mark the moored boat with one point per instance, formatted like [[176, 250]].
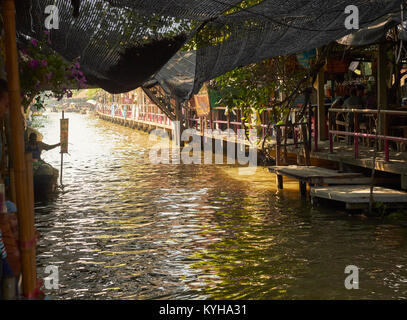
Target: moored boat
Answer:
[[45, 179]]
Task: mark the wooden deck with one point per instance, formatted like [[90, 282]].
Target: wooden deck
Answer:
[[314, 176], [356, 197], [345, 154]]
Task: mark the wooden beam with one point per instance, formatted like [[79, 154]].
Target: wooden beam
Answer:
[[162, 106], [25, 216], [320, 116], [381, 86], [179, 118], [403, 180]]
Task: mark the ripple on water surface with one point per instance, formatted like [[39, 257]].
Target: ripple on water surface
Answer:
[[123, 228]]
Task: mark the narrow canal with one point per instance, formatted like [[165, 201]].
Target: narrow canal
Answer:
[[123, 228]]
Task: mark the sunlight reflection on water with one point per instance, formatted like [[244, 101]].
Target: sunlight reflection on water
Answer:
[[123, 228]]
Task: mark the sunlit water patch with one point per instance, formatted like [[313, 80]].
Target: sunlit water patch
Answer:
[[123, 228]]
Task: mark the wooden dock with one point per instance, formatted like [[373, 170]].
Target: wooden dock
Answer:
[[358, 196], [315, 176], [353, 189]]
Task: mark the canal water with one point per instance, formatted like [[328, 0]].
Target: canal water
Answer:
[[124, 228]]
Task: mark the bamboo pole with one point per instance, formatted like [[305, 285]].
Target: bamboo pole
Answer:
[[26, 227], [30, 246], [62, 154]]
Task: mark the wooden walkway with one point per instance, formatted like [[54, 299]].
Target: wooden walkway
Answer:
[[345, 154], [358, 197], [314, 176], [350, 188]]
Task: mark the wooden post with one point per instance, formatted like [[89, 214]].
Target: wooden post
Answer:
[[331, 141], [381, 89], [25, 222], [30, 197], [228, 120], [278, 146], [13, 196], [178, 117], [386, 151], [310, 111], [279, 178], [403, 180], [303, 189], [62, 154], [319, 116], [306, 145], [356, 130]]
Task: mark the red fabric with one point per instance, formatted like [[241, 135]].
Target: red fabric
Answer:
[[37, 294], [13, 252]]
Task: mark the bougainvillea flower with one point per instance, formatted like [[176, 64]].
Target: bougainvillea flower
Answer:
[[34, 43], [44, 63], [49, 75], [33, 63]]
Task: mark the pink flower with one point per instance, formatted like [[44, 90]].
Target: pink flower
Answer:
[[49, 75], [33, 63], [46, 32], [34, 43], [24, 51], [44, 63]]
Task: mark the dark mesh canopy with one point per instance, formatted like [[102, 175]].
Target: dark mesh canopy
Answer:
[[123, 44]]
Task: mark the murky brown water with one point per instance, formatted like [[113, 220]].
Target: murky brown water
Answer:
[[123, 228]]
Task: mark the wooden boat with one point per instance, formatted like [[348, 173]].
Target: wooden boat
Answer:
[[45, 179]]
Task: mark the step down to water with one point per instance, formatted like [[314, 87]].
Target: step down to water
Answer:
[[358, 196]]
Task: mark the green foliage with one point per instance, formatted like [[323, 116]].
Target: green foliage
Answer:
[[256, 87], [245, 4], [211, 34], [92, 93]]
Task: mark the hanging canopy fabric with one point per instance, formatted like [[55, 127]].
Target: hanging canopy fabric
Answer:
[[373, 33], [123, 44]]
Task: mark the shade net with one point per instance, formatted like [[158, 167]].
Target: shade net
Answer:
[[123, 44]]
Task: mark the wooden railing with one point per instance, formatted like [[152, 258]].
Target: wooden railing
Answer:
[[136, 113], [369, 135]]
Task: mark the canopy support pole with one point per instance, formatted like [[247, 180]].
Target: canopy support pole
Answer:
[[23, 199], [381, 87], [320, 118]]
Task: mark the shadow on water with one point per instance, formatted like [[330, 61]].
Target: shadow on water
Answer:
[[123, 228]]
